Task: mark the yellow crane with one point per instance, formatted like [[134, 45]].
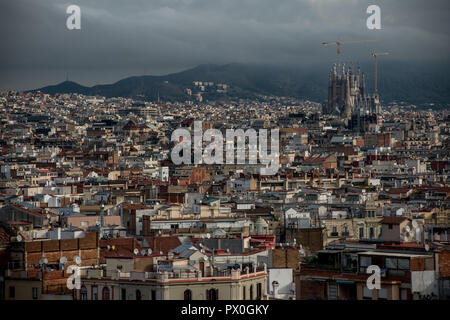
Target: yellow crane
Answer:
[[339, 43], [375, 55]]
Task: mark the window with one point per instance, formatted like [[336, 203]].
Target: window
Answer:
[[124, 294], [367, 294], [105, 293], [397, 264], [365, 261], [212, 294], [94, 293], [83, 293], [390, 226], [251, 292], [404, 294], [244, 291], [361, 233], [138, 295], [153, 294], [403, 264], [382, 294], [35, 293], [334, 229], [187, 295], [12, 292], [258, 291], [372, 233]]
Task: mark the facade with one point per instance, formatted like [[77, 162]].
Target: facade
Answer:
[[232, 285], [341, 275], [347, 95]]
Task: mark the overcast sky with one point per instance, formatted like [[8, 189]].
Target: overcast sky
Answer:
[[135, 37]]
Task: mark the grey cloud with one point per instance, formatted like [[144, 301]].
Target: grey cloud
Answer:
[[123, 38]]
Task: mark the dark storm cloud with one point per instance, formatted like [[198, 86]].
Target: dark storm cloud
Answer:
[[123, 38]]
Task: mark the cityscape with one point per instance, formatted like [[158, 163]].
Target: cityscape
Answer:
[[160, 189]]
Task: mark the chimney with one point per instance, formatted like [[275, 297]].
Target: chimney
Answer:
[[275, 286]]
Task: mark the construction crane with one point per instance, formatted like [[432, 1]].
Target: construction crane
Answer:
[[338, 43], [375, 55]]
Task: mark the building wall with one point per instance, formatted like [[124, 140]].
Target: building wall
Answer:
[[311, 239], [444, 264], [366, 224], [339, 224], [87, 248], [90, 221], [310, 290], [227, 290], [286, 258], [23, 289], [284, 277]]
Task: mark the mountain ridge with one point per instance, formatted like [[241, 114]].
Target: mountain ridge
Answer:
[[398, 82]]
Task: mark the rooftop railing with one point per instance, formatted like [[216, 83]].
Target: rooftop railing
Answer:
[[167, 276]]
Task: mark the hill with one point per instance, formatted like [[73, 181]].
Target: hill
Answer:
[[412, 83]]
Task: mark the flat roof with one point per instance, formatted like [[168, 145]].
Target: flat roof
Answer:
[[393, 254]]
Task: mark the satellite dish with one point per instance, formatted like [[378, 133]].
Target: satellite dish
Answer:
[[48, 216], [415, 224], [208, 235], [20, 228], [407, 228], [143, 252], [149, 251], [205, 258], [136, 251], [44, 260], [427, 247], [63, 260], [160, 252], [77, 259], [19, 238]]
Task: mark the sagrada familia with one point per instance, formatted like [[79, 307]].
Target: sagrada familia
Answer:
[[349, 99]]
